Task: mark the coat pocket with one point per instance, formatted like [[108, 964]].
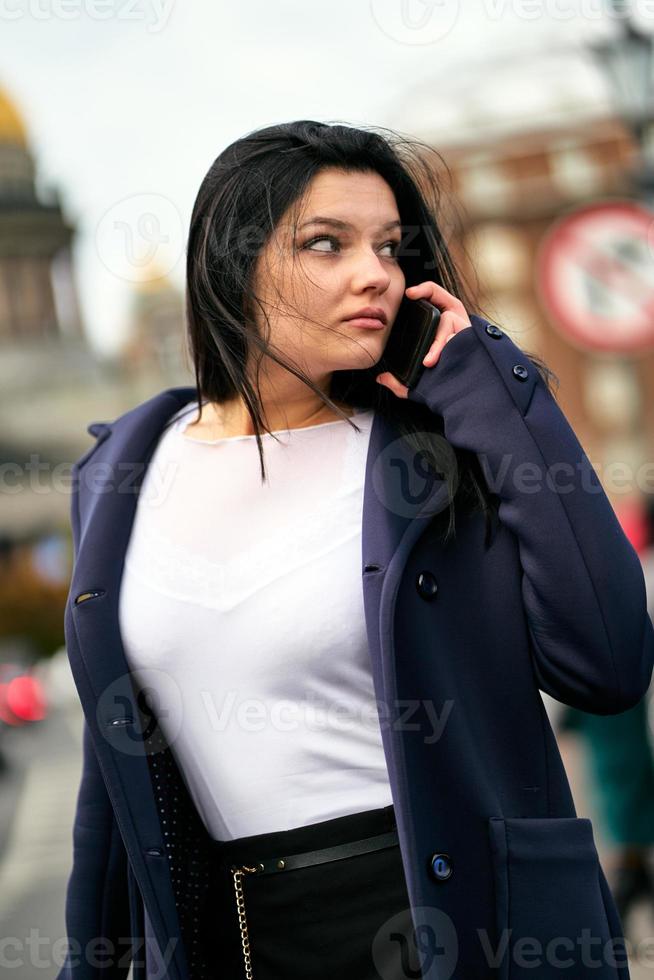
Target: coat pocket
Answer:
[[551, 907]]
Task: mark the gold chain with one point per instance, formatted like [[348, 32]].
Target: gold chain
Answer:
[[242, 921]]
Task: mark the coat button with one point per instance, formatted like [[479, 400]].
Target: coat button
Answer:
[[154, 851], [440, 866], [494, 331], [85, 596], [520, 372], [426, 585], [120, 722]]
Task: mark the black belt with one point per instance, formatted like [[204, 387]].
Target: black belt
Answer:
[[336, 853]]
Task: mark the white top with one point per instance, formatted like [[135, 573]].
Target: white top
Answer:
[[241, 610]]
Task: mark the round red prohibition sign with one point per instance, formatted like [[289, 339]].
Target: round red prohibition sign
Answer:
[[595, 276]]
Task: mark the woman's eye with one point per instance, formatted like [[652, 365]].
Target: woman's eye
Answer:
[[322, 238], [392, 245]]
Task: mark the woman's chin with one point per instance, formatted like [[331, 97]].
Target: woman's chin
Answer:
[[365, 356]]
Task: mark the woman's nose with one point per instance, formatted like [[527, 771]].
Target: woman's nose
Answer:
[[369, 270]]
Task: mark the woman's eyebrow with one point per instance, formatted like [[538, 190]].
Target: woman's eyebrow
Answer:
[[334, 222]]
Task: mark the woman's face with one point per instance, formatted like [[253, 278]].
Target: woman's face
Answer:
[[340, 260]]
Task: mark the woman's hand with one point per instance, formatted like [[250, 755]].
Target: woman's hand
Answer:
[[453, 319]]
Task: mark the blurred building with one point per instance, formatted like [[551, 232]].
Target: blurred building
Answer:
[[37, 297], [506, 180], [43, 353], [52, 382], [155, 354]]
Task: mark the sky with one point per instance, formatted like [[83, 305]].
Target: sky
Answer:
[[128, 102]]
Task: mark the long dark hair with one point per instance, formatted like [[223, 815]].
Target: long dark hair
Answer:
[[246, 191]]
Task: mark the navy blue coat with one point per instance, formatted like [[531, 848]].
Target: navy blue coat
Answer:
[[461, 635]]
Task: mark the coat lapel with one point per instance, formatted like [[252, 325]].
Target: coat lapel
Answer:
[[399, 500]]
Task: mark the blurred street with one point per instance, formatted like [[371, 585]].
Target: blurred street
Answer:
[[37, 805]]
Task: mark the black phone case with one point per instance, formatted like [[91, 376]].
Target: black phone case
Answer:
[[412, 335]]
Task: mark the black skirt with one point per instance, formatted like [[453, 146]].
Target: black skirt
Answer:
[[279, 909]]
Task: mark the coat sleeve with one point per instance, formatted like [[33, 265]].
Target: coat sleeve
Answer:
[[582, 582], [97, 914]]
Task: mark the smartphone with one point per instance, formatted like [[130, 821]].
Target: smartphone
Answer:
[[412, 335]]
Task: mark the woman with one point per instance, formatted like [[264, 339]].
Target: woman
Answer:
[[407, 558]]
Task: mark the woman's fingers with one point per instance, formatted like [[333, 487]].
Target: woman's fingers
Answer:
[[447, 328], [439, 296], [390, 381], [453, 316]]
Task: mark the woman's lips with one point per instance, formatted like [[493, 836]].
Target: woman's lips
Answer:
[[368, 322]]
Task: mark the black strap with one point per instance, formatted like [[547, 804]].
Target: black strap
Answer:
[[336, 853]]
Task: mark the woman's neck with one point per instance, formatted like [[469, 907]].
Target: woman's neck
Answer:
[[226, 420]]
